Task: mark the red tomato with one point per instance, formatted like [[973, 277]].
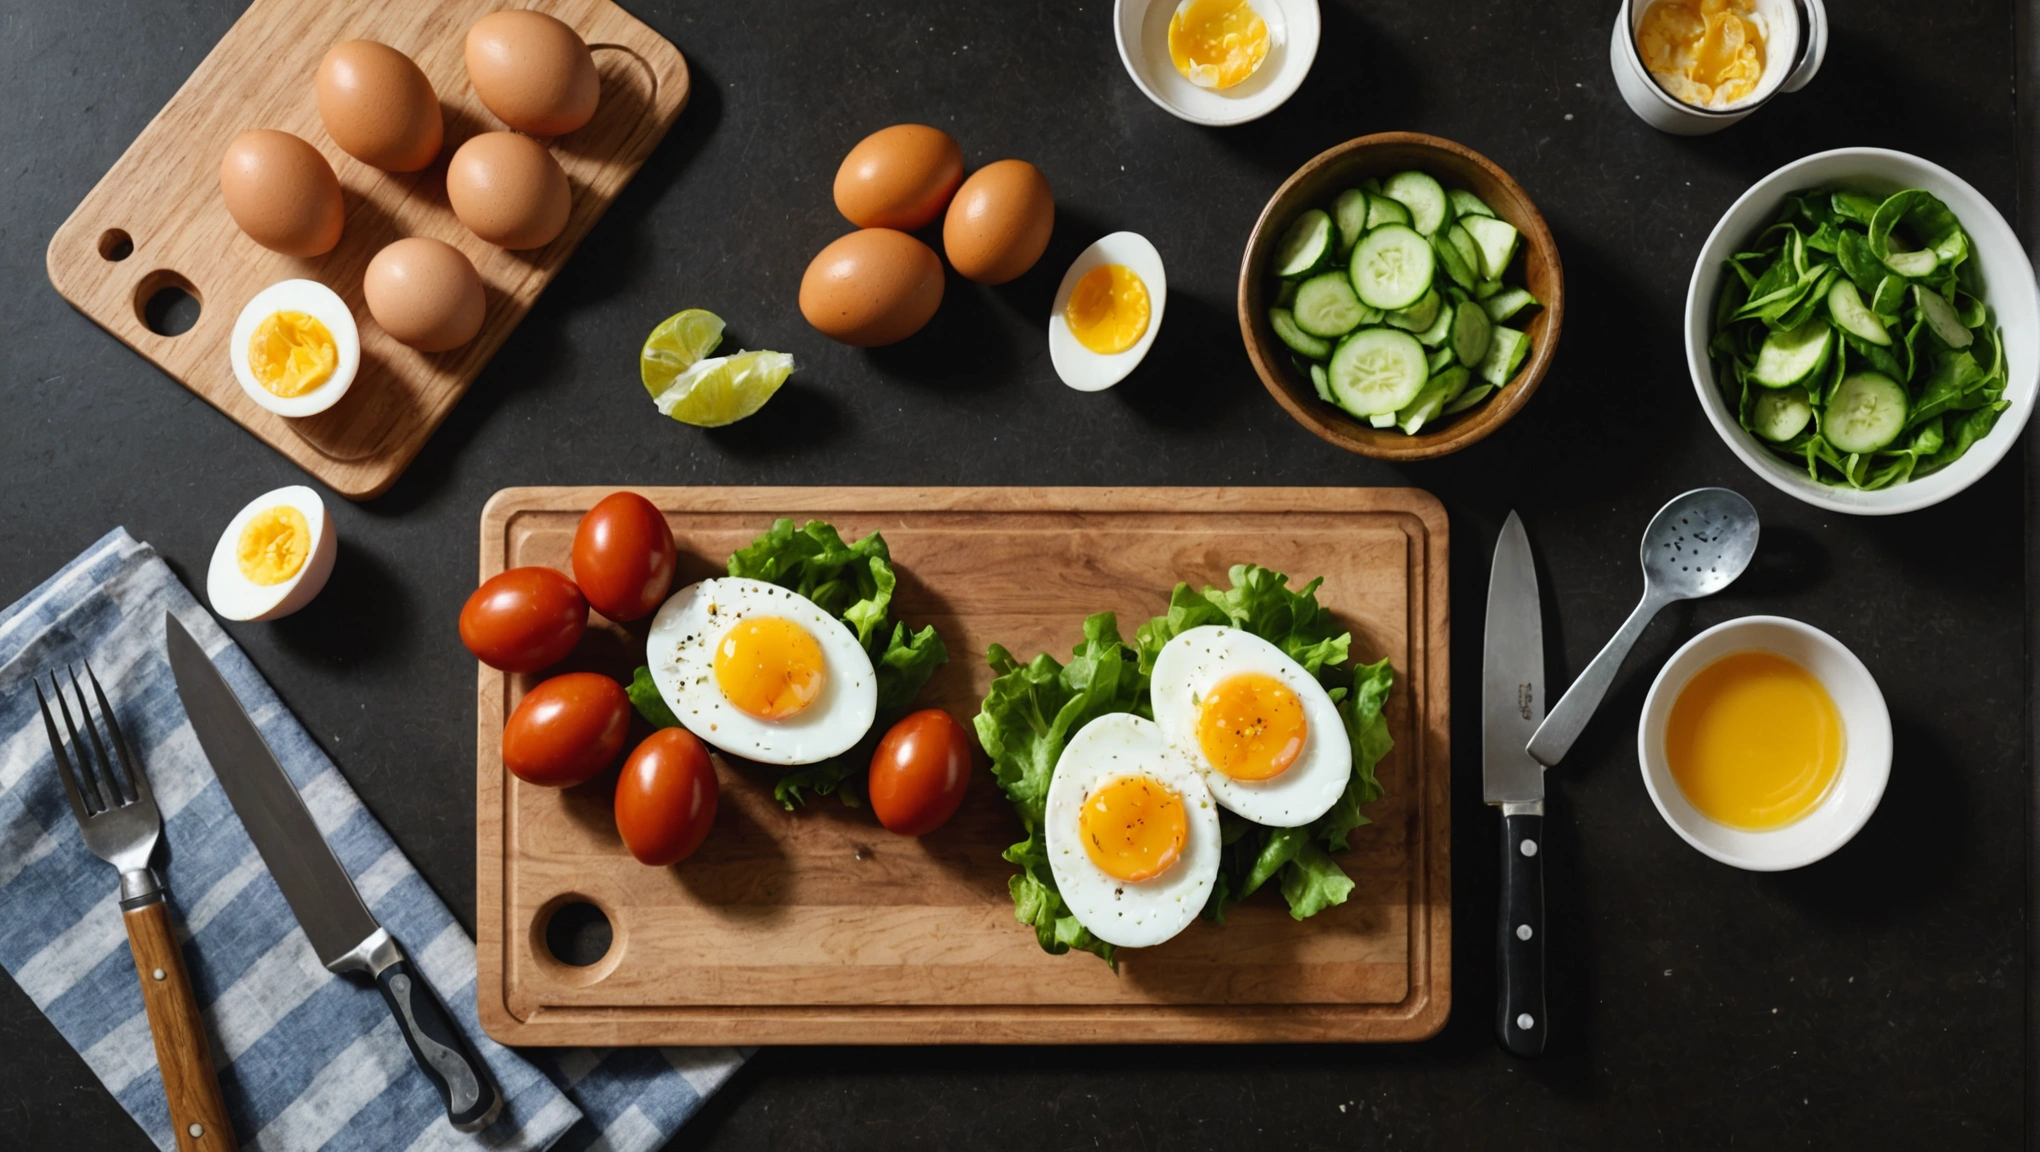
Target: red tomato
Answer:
[[665, 799], [567, 729], [524, 619], [623, 556], [919, 773]]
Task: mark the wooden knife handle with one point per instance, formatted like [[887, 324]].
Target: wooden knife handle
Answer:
[[192, 1087]]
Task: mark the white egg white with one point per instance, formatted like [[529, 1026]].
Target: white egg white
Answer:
[[1186, 669], [1129, 914], [324, 305], [235, 597], [681, 653], [1079, 367]]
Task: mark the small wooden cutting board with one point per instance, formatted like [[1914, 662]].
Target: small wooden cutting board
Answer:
[[155, 221], [820, 927]]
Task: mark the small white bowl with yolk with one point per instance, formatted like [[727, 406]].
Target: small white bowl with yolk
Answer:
[[1223, 38]]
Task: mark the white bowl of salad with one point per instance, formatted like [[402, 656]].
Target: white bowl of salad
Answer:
[[1863, 330]]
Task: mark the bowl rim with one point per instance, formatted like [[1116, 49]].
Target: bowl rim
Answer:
[[1283, 88], [1982, 457], [1336, 427], [1874, 772]]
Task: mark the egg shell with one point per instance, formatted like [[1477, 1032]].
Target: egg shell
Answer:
[[899, 177], [235, 597], [1185, 670], [534, 72], [320, 302], [999, 223], [509, 190], [1079, 367], [379, 107], [875, 286], [281, 192], [1129, 913], [426, 293]]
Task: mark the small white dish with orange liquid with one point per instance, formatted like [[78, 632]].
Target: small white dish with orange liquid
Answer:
[[1765, 743]]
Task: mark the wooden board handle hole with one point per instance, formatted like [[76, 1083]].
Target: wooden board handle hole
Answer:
[[575, 940], [115, 245], [168, 304]]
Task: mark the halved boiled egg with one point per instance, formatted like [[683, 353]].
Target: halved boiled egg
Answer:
[[295, 348], [1262, 731], [1107, 312], [761, 671], [1133, 839], [274, 557]]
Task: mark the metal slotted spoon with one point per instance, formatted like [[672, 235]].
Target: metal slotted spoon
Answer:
[[1695, 546]]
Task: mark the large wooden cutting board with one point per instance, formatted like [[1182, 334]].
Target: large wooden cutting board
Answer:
[[819, 927], [156, 220]]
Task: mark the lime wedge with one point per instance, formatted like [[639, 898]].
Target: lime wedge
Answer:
[[725, 389], [677, 344]]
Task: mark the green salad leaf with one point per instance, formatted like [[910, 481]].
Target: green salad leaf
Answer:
[[1033, 709]]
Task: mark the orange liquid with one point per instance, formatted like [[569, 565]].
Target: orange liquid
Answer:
[[1754, 741]]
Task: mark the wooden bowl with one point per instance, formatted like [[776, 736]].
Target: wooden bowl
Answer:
[[1314, 186]]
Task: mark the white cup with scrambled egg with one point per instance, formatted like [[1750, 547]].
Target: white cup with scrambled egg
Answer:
[[1691, 67]]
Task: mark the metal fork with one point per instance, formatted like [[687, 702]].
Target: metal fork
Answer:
[[116, 811]]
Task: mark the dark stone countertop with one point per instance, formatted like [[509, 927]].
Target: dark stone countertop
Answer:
[[1874, 999]]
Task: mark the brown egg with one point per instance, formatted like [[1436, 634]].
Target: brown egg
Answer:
[[999, 223], [379, 107], [872, 287], [533, 72], [282, 193], [425, 293], [509, 190], [899, 177]]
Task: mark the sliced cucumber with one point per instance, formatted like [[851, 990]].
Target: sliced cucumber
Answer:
[[1486, 289], [1377, 370], [1300, 342], [1439, 334], [1382, 420], [1913, 265], [1793, 355], [1780, 415], [1326, 306], [1845, 304], [1349, 212], [1306, 246], [1285, 295], [1441, 358], [1381, 212], [1392, 268], [1320, 381], [1418, 317], [1866, 412], [1496, 240], [1942, 319], [1471, 333], [1431, 402], [1468, 398], [1453, 261], [1890, 296], [1506, 349], [1423, 196], [1506, 303], [1465, 203]]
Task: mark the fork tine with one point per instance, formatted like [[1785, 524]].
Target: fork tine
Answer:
[[88, 784], [63, 762], [117, 793], [138, 779]]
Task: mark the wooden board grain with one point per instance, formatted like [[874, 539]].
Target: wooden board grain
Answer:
[[819, 927], [162, 198]]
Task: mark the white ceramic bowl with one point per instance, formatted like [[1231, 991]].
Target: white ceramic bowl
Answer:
[[1866, 745], [1142, 29], [1789, 69], [2007, 287]]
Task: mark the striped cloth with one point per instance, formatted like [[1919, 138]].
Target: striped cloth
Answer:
[[307, 1059]]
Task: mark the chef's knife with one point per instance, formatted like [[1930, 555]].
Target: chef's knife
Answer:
[[341, 928], [1512, 705]]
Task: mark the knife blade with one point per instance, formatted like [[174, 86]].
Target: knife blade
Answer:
[[344, 933], [1512, 705]]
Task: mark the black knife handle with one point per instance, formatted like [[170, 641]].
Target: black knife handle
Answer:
[[440, 1047], [1519, 942]]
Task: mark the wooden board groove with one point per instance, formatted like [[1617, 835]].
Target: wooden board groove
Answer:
[[822, 928], [164, 194]]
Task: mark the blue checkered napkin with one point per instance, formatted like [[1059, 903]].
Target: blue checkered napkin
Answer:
[[307, 1059]]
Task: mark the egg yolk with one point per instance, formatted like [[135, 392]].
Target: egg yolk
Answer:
[[274, 545], [769, 667], [1108, 309], [1251, 726], [1708, 53], [1217, 43], [1754, 741], [291, 353], [1134, 827]]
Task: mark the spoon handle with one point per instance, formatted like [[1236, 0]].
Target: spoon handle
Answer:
[[1554, 738]]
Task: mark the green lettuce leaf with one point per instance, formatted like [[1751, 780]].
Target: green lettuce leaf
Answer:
[[644, 696]]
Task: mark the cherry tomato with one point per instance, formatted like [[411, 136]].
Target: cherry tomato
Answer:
[[665, 799], [523, 619], [919, 773], [624, 556], [567, 729]]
